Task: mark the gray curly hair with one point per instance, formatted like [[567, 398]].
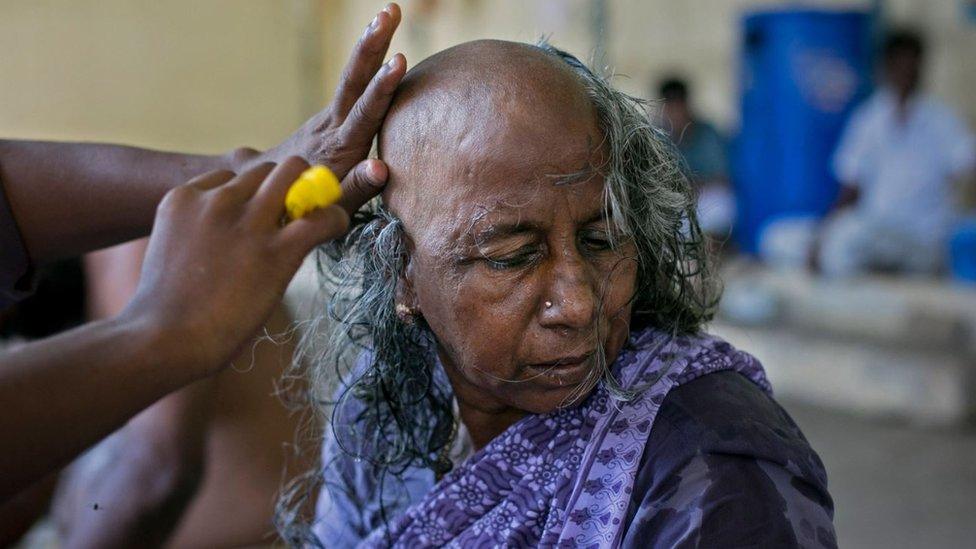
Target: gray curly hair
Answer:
[[407, 417]]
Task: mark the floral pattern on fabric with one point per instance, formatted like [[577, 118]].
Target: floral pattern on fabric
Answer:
[[564, 479]]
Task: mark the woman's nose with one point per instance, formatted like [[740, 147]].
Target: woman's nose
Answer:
[[570, 301]]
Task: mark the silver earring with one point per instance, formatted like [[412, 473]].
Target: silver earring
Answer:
[[548, 304]]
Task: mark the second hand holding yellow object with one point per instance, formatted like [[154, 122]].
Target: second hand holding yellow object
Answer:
[[316, 188]]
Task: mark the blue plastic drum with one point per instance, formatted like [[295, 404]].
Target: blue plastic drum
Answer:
[[962, 252], [802, 72]]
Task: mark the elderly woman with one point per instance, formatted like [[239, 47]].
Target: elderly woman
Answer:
[[527, 304]]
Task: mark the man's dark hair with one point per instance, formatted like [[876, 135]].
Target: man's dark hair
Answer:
[[673, 89], [903, 40]]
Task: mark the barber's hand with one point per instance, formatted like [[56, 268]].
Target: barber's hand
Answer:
[[219, 260], [341, 135]]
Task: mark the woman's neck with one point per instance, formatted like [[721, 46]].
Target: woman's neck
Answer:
[[485, 424], [484, 416]]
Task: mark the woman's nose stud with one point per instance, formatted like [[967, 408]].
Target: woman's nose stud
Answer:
[[548, 304]]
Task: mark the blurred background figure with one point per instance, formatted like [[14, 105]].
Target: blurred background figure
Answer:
[[902, 161], [705, 151]]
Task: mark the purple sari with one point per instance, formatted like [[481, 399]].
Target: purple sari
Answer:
[[564, 479]]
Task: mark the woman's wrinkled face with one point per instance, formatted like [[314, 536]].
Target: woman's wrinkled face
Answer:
[[514, 267]]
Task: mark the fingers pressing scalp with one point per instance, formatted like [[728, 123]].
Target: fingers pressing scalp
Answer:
[[366, 58], [367, 113], [343, 134], [361, 184], [361, 102], [338, 137]]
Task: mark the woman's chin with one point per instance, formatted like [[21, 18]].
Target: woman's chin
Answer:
[[550, 393]]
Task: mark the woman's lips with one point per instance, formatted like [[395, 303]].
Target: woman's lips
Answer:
[[570, 370]]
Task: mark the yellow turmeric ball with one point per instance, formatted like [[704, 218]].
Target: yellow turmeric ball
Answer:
[[316, 188]]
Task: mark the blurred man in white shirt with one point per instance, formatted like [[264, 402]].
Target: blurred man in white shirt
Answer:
[[897, 162]]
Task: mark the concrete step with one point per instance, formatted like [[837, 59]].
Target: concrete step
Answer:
[[922, 386], [880, 346], [921, 313]]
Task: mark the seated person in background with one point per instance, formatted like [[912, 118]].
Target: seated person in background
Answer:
[[529, 300], [704, 150], [201, 467], [898, 161]]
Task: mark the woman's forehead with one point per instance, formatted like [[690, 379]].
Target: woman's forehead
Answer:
[[504, 169], [488, 211], [507, 160]]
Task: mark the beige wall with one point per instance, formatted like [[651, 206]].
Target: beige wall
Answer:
[[195, 75], [426, 30]]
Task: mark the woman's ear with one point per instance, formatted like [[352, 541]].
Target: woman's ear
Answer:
[[405, 298], [407, 307], [405, 294]]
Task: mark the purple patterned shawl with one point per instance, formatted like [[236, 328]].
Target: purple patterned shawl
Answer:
[[564, 479]]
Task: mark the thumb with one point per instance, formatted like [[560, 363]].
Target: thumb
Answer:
[[316, 228], [362, 183]]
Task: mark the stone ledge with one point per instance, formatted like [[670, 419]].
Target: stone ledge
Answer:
[[923, 313], [922, 386]]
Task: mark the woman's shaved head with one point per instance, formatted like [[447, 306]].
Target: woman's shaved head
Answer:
[[470, 103]]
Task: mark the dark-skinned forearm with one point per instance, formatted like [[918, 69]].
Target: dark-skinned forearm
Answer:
[[94, 378], [70, 198]]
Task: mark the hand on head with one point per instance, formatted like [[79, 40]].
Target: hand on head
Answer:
[[214, 290], [341, 135], [218, 259]]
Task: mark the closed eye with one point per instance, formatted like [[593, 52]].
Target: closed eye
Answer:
[[595, 241], [520, 258]]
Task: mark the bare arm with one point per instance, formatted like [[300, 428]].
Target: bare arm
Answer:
[[69, 198], [20, 513], [116, 368], [218, 262]]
